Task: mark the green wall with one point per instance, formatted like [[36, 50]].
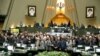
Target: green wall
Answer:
[[4, 4], [81, 8], [19, 11]]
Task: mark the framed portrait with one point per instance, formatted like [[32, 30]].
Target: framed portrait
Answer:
[[90, 12], [32, 10]]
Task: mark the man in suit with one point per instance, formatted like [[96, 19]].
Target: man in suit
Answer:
[[62, 45], [2, 39], [11, 40]]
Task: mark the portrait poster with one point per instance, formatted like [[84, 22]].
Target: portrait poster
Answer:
[[90, 12], [32, 11]]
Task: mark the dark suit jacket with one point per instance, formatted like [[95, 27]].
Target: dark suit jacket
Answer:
[[62, 45]]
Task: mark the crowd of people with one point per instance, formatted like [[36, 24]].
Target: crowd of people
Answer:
[[52, 24], [49, 42]]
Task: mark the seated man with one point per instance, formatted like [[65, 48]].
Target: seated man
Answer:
[[2, 40]]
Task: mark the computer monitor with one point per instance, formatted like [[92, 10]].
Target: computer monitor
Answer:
[[95, 46], [80, 47], [5, 44], [87, 48], [18, 44], [24, 45], [32, 45], [77, 50], [10, 47], [97, 50]]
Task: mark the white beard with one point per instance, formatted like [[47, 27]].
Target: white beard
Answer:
[[32, 13], [89, 14]]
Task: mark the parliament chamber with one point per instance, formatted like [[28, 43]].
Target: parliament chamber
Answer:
[[49, 28]]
